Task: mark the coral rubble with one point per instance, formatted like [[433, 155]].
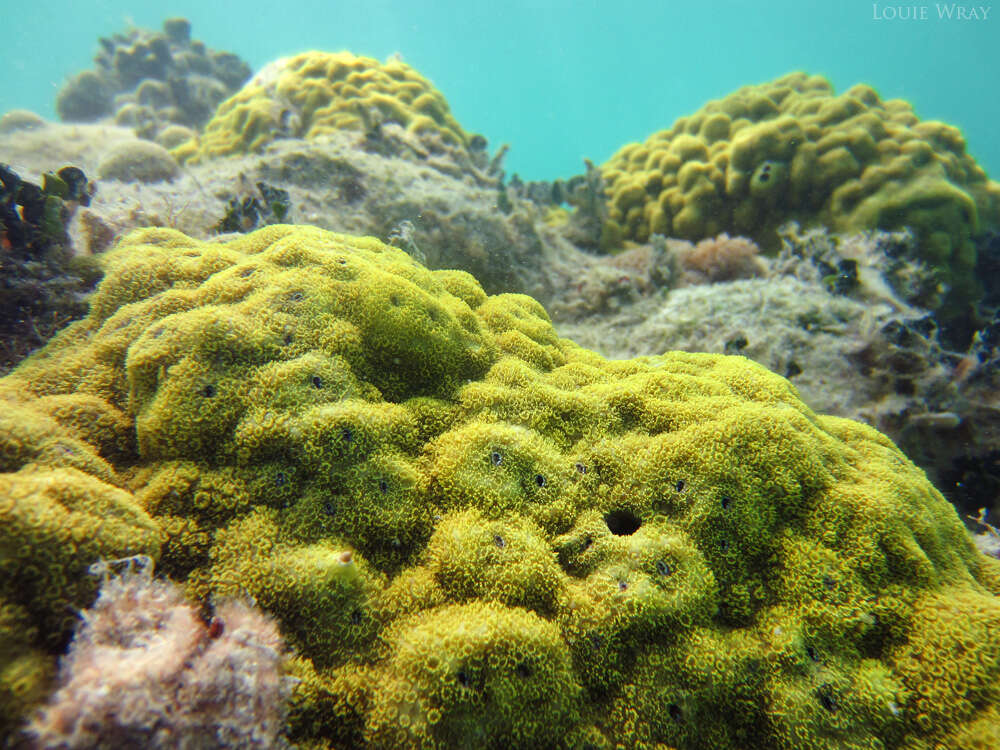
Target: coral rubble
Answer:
[[475, 533]]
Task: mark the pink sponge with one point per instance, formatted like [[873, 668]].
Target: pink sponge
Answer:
[[144, 670]]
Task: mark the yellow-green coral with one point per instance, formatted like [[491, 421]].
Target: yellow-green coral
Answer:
[[314, 93], [791, 149], [475, 533]]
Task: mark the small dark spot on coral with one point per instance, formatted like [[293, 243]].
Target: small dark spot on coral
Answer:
[[157, 333], [495, 458], [540, 480], [499, 541], [724, 545], [680, 485], [811, 653], [317, 381], [663, 568], [826, 699], [622, 522], [208, 391], [329, 508], [792, 369], [726, 501], [383, 486], [342, 261], [356, 617], [288, 339], [623, 585], [296, 297], [247, 272], [346, 435], [829, 582], [675, 712], [279, 479], [394, 300], [463, 678], [523, 670], [580, 468]]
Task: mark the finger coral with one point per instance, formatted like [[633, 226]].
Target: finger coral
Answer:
[[792, 149], [475, 533]]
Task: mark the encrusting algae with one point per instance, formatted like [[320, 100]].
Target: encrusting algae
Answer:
[[475, 533]]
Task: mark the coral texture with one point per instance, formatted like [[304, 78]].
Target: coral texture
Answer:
[[144, 670], [151, 81], [791, 149], [317, 93], [474, 533]]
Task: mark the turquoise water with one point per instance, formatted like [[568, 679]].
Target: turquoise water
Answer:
[[562, 80]]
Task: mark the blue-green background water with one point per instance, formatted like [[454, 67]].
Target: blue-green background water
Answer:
[[561, 80]]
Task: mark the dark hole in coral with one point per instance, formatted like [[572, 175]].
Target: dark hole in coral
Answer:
[[540, 480], [726, 501], [329, 508], [317, 381], [288, 339], [829, 582], [463, 678], [675, 711], [356, 617], [296, 296], [347, 435], [523, 670], [394, 300], [724, 545], [383, 486], [622, 522], [208, 391], [495, 458], [680, 485], [811, 653], [581, 469], [792, 369], [246, 272], [342, 261], [663, 568], [826, 699], [587, 541], [279, 479], [623, 585], [499, 541]]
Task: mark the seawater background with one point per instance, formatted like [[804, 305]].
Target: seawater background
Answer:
[[560, 80]]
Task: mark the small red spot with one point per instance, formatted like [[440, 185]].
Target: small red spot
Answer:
[[215, 627]]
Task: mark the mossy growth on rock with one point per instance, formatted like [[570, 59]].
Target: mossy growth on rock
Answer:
[[793, 150], [475, 533]]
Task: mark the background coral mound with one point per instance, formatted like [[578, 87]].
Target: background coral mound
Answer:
[[317, 92], [474, 533], [791, 149], [153, 81]]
